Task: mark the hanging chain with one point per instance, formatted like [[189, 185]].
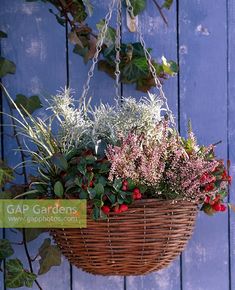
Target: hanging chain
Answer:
[[99, 44], [118, 47], [152, 68]]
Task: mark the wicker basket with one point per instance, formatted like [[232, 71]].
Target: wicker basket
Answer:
[[141, 240]]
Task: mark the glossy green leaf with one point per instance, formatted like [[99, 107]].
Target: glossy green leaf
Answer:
[[6, 67], [17, 276], [50, 256], [59, 160], [99, 189], [58, 189]]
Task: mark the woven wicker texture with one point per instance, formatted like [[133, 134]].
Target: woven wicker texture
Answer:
[[141, 240]]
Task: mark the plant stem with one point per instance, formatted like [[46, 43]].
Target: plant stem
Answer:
[[160, 11]]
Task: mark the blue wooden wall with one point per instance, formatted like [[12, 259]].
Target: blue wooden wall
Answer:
[[201, 37]]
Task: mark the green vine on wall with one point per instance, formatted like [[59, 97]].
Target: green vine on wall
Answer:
[[134, 68]]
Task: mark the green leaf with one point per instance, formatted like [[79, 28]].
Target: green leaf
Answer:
[[50, 256], [6, 249], [6, 67], [102, 180], [6, 173], [88, 6], [138, 6], [59, 160], [131, 184], [32, 234], [17, 276], [117, 184], [30, 104], [3, 34], [110, 34], [99, 189], [167, 4], [135, 69], [58, 189]]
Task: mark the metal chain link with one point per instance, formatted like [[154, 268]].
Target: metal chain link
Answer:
[[152, 68], [99, 44], [118, 47]]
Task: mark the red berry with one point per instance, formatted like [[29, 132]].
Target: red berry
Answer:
[[105, 209], [136, 191], [84, 186], [229, 179], [124, 188], [137, 195], [125, 182], [222, 207], [117, 209], [123, 207], [91, 184], [216, 207]]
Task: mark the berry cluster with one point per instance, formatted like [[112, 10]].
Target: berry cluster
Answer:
[[119, 208]]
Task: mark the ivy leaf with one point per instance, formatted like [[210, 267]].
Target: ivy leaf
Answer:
[[6, 173], [6, 67], [32, 234], [110, 34], [135, 69], [6, 249], [50, 256], [3, 34], [138, 6], [167, 4], [17, 276], [58, 189], [30, 104], [88, 6]]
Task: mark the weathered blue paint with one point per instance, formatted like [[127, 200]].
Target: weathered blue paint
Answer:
[[38, 57], [36, 43], [203, 99], [231, 130]]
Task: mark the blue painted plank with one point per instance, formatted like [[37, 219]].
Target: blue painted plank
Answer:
[[102, 87], [163, 41], [203, 99], [36, 43], [231, 129]]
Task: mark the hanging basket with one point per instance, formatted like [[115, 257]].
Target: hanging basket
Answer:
[[146, 238]]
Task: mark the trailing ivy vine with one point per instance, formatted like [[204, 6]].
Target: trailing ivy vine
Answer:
[[134, 68]]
